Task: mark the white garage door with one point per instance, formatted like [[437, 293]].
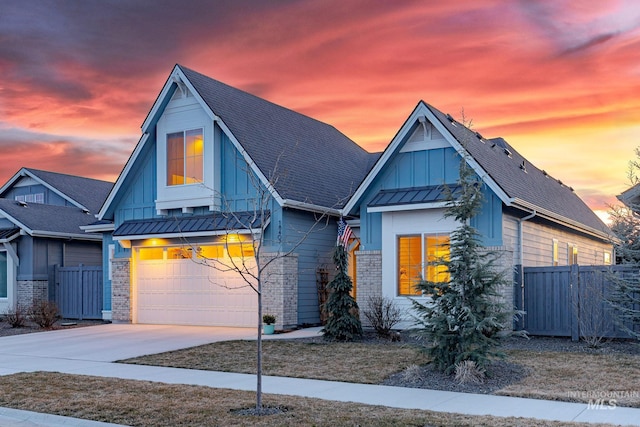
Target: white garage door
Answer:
[[183, 292]]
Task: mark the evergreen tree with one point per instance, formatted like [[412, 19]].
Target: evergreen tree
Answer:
[[343, 323], [465, 317], [625, 290]]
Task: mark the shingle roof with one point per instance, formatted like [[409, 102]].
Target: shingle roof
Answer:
[[413, 195], [180, 225], [519, 178], [47, 218], [91, 193], [315, 162]]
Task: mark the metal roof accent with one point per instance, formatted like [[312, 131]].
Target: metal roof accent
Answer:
[[192, 224], [413, 195], [8, 232]]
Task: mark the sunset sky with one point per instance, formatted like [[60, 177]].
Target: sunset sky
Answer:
[[559, 80]]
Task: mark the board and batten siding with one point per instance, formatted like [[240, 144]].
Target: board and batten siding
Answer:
[[28, 185], [538, 243], [316, 250]]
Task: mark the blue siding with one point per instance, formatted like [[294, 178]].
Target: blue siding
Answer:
[[315, 251], [420, 168], [50, 198]]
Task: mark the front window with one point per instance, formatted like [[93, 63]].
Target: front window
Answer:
[[185, 157], [3, 275], [573, 254], [416, 257]]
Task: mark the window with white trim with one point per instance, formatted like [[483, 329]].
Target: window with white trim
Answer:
[[554, 253], [185, 157], [417, 254], [31, 198], [572, 253]]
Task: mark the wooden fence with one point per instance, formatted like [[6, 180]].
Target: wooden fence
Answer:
[[568, 301], [79, 292]]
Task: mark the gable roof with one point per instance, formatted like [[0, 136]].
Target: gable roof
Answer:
[[514, 179], [42, 220], [318, 164], [82, 192]]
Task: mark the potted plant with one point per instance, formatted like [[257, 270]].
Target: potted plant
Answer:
[[269, 321]]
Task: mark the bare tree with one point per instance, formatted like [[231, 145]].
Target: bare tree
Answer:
[[251, 263]]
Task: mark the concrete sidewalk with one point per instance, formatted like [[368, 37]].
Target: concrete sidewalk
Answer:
[[398, 397]]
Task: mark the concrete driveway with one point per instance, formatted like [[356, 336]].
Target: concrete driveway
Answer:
[[104, 343]]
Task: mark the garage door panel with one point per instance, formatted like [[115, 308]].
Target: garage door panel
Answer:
[[187, 293]]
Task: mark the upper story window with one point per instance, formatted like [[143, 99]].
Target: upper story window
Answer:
[[185, 157], [573, 254], [31, 198]]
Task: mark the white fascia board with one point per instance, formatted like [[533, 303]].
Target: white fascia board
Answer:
[[187, 235], [423, 110], [567, 222], [26, 172], [122, 176], [58, 235], [484, 176], [163, 94], [384, 158], [12, 180], [178, 73], [288, 203], [413, 207], [98, 228], [23, 228]]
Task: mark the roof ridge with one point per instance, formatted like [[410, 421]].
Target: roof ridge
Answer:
[[272, 103]]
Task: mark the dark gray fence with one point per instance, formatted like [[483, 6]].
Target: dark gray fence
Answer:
[[568, 301], [79, 292]]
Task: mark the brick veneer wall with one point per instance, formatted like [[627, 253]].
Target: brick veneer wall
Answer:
[[368, 279], [32, 292], [280, 290], [121, 290]]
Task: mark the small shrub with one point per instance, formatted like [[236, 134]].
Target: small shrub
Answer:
[[468, 372], [16, 317], [44, 314], [594, 318], [269, 319], [383, 314]]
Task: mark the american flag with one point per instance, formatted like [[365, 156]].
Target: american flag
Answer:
[[344, 233]]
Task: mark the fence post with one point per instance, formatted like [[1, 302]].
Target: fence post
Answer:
[[574, 301], [81, 281]]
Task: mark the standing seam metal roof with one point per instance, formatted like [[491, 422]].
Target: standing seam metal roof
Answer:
[[201, 223]]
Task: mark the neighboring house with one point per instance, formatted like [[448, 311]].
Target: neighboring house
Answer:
[[631, 197], [204, 147], [40, 218]]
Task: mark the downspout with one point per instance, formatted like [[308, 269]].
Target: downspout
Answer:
[[521, 252]]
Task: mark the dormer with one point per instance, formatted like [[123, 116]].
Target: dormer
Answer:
[[186, 154]]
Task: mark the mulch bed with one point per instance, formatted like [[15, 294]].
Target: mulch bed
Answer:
[[7, 330]]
